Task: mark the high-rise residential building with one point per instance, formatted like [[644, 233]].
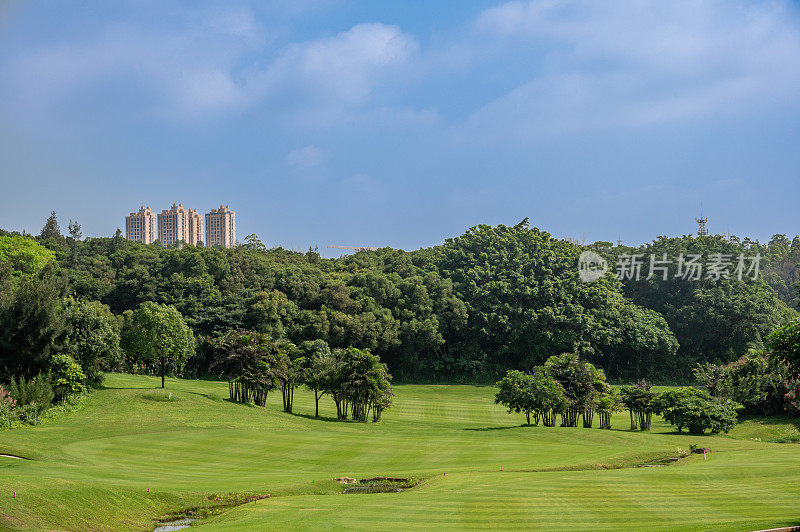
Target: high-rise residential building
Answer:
[[178, 224], [141, 226], [221, 227]]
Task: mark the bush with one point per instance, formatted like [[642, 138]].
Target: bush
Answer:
[[30, 414], [696, 410], [36, 390], [759, 382], [66, 376], [8, 416]]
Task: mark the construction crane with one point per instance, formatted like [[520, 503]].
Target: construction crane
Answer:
[[354, 248]]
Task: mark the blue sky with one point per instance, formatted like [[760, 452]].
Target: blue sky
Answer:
[[403, 123]]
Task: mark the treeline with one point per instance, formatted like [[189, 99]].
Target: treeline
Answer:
[[573, 389], [492, 299]]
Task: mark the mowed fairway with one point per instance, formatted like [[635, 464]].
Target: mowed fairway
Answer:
[[124, 460]]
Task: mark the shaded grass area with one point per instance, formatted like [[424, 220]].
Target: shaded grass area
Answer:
[[126, 459]]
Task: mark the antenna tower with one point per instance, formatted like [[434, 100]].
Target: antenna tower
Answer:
[[701, 224]]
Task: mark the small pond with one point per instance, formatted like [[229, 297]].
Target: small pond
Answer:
[[178, 524]]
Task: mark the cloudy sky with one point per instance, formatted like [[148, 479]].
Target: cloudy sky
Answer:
[[403, 123]]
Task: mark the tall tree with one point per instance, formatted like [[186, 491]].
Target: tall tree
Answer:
[[75, 230], [92, 337], [159, 335], [51, 228], [31, 321]]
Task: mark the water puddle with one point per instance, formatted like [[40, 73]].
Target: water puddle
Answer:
[[178, 524]]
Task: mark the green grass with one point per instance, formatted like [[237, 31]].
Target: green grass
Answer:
[[91, 469]]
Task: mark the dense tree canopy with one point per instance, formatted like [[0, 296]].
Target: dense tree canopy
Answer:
[[715, 320], [494, 298]]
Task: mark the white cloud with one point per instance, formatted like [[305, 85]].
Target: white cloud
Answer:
[[343, 69], [634, 63], [218, 62], [306, 157]]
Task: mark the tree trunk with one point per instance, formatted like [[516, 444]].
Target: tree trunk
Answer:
[[163, 370], [528, 416], [316, 400]]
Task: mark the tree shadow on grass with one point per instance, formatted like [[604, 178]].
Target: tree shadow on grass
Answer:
[[486, 429], [327, 419]]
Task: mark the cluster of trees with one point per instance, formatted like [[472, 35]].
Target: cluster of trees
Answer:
[[565, 385], [572, 388], [713, 321], [492, 299], [255, 364], [764, 381], [51, 346]]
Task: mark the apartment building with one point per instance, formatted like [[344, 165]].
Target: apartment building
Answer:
[[221, 227], [178, 224], [141, 226]]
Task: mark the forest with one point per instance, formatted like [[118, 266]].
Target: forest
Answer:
[[492, 299]]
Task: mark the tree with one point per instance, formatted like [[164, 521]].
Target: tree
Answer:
[[51, 230], [252, 363], [524, 298], [31, 321], [252, 242], [713, 320], [292, 372], [158, 334], [75, 230], [784, 344], [638, 399], [516, 394], [24, 255], [696, 410], [362, 384], [319, 369], [92, 338], [537, 394], [582, 384], [607, 404]]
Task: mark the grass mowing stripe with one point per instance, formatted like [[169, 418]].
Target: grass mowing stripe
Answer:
[[93, 468]]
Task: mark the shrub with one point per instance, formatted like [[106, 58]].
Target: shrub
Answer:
[[758, 381], [6, 399], [66, 376], [8, 416], [30, 413], [696, 410], [36, 390]]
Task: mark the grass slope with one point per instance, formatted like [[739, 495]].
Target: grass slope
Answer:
[[128, 457]]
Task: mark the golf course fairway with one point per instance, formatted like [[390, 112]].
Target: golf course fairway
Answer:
[[129, 457]]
